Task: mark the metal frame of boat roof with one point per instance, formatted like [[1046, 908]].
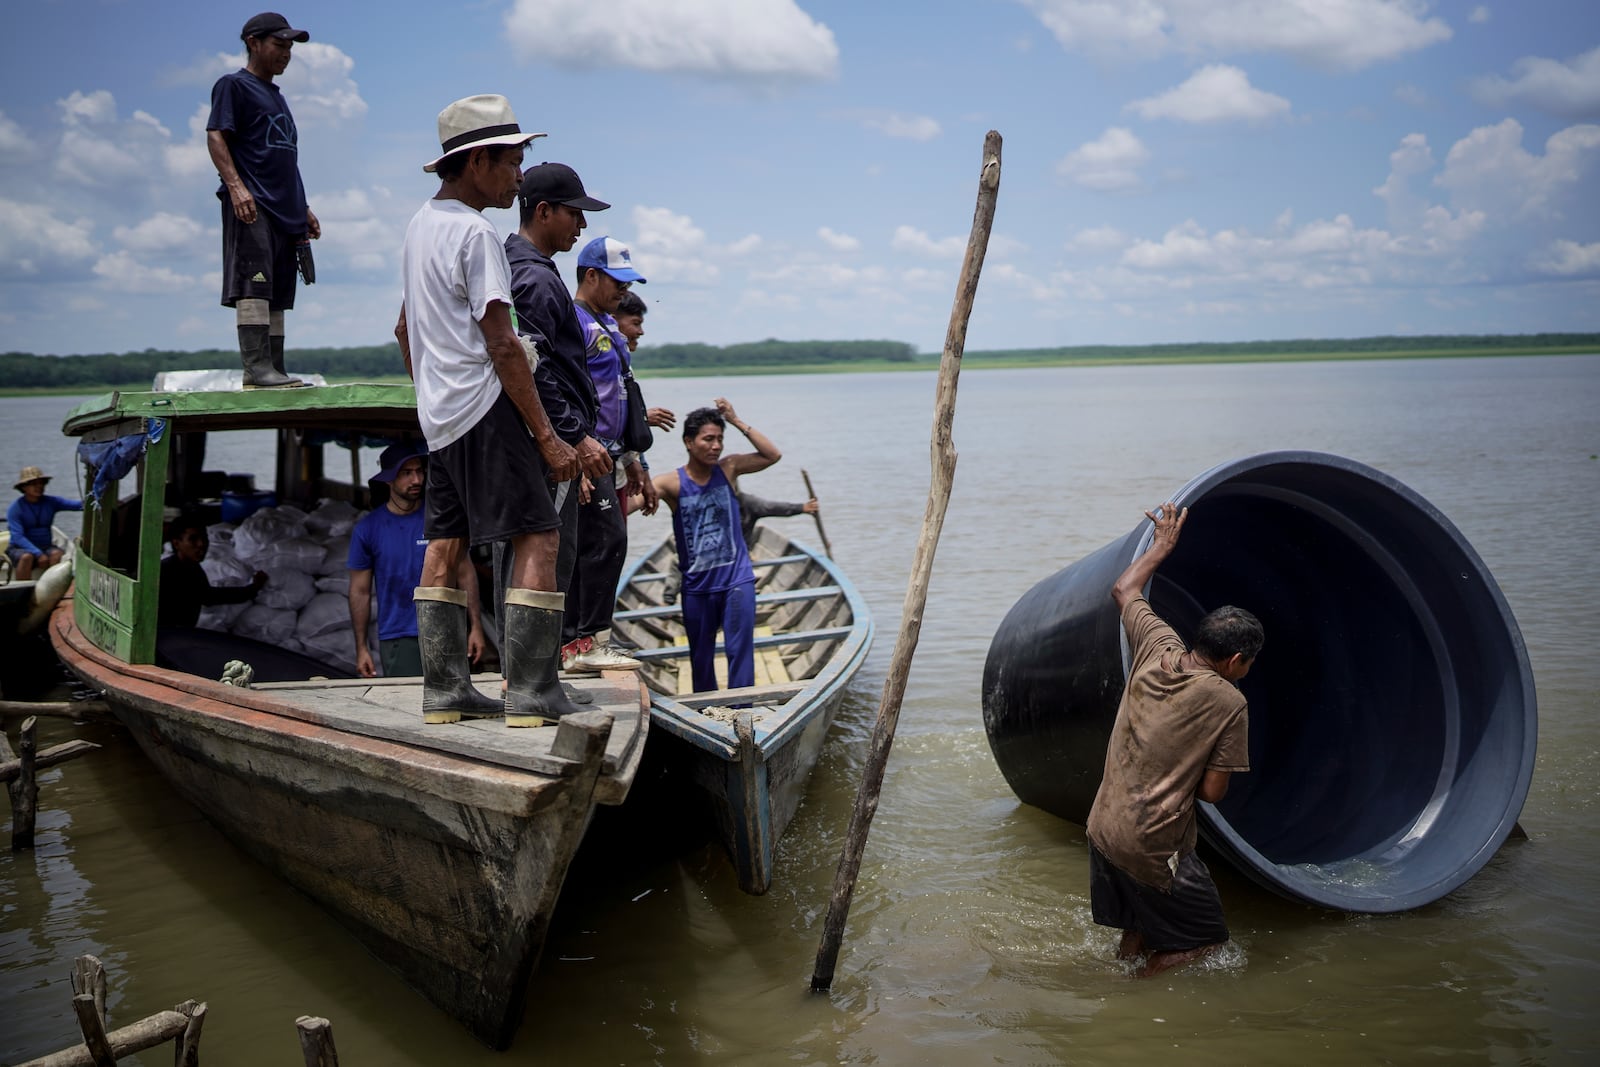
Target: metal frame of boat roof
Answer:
[[354, 406]]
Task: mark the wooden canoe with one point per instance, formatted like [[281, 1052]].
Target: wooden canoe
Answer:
[[443, 848], [813, 632]]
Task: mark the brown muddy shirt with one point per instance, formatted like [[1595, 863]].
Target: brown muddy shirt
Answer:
[[1171, 726]]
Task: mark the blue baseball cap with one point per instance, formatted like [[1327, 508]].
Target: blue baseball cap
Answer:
[[612, 256], [394, 457]]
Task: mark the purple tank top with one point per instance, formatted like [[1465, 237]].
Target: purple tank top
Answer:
[[711, 550]]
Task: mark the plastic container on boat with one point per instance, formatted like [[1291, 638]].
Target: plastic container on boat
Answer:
[[238, 506], [1392, 713]]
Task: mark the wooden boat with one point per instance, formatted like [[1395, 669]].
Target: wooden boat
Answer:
[[751, 750], [443, 848]]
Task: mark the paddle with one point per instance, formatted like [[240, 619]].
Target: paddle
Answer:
[[827, 549], [943, 456]]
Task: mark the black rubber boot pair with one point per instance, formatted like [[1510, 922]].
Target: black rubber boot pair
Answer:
[[531, 626], [262, 356], [448, 694]]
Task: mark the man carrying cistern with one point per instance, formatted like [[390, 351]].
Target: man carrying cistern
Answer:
[[719, 585], [482, 418], [255, 147], [387, 549], [1181, 730], [29, 520]]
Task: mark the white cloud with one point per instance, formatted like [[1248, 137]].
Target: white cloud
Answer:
[[669, 247], [1216, 93], [161, 232], [906, 127], [1563, 257], [918, 243], [763, 40], [1098, 239], [191, 158], [122, 272], [1479, 14], [744, 246], [319, 87], [1569, 90], [37, 243], [839, 242], [1110, 162], [1410, 95], [1347, 34], [13, 141], [1489, 170]]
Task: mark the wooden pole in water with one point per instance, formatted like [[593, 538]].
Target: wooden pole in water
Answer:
[[23, 786], [812, 493], [316, 1041], [943, 456]]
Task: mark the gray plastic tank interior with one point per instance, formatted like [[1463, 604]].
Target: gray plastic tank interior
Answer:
[[1392, 711]]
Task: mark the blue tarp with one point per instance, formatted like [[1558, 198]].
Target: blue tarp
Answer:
[[110, 461]]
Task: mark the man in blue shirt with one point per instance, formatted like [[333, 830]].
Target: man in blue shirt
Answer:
[[29, 519], [386, 551], [254, 144]]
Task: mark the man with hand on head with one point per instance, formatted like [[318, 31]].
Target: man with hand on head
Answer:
[[1182, 728], [254, 145], [387, 549], [481, 415]]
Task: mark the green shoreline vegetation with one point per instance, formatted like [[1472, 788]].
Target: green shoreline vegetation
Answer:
[[24, 374]]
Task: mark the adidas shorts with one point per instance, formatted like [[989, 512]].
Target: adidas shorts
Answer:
[[257, 261]]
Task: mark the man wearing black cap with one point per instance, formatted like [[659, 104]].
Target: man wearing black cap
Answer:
[[255, 147], [387, 548], [552, 201]]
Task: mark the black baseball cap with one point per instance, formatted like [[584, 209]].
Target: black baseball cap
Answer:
[[272, 24], [556, 183]]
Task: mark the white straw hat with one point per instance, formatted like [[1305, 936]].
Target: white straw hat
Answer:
[[477, 121]]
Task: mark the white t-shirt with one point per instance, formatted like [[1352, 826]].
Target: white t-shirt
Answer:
[[452, 267]]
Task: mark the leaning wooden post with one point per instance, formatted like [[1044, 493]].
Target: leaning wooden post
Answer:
[[943, 456], [812, 493], [316, 1041], [24, 789]]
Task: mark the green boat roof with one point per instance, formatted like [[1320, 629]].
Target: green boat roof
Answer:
[[357, 407]]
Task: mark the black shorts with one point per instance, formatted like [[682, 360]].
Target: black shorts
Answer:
[[489, 484], [258, 260], [1190, 916]]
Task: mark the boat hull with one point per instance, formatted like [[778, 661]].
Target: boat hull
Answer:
[[447, 869]]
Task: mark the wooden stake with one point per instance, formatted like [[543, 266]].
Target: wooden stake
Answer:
[[316, 1041], [943, 457], [812, 493], [186, 1052], [101, 1049], [24, 789]]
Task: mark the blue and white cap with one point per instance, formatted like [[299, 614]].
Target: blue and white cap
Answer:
[[612, 256]]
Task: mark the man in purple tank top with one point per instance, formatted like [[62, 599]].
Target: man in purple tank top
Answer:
[[719, 586]]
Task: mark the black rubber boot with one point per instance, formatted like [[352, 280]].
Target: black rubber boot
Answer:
[[276, 347], [255, 352], [447, 690], [532, 629]]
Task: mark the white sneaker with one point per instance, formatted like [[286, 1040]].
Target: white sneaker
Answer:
[[602, 655]]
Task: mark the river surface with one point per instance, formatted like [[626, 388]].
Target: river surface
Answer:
[[970, 938]]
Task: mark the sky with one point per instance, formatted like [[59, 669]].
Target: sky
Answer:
[[1173, 170]]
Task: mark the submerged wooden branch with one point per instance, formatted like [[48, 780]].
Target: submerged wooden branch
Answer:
[[77, 710], [943, 457], [101, 1049], [10, 769]]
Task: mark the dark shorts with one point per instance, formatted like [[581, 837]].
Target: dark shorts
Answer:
[[490, 483], [15, 554], [401, 657], [258, 260], [1190, 916]]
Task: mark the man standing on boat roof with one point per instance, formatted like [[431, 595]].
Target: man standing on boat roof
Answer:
[[481, 415], [266, 224], [605, 272], [553, 201], [719, 585], [387, 549], [1182, 728]]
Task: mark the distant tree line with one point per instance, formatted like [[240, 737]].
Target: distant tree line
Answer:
[[21, 370], [1305, 346]]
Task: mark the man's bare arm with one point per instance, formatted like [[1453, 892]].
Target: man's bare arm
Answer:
[[1169, 521], [404, 339], [511, 365], [765, 455], [244, 205], [1213, 787]]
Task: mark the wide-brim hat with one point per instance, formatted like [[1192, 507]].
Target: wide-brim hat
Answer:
[[30, 474], [394, 457], [477, 122], [612, 256]]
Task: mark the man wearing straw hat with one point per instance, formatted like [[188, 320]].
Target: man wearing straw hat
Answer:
[[29, 519], [482, 417], [267, 226]]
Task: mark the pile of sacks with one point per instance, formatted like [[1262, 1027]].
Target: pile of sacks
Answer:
[[305, 604]]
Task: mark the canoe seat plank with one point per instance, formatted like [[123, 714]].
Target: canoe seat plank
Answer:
[[772, 640]]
